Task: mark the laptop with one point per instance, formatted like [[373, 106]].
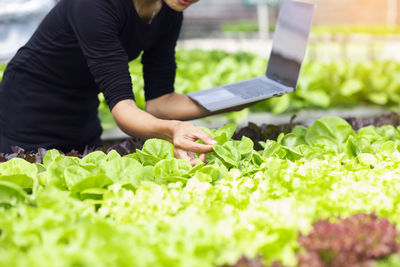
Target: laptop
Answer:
[[288, 49]]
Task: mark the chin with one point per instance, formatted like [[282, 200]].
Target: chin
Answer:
[[175, 5]]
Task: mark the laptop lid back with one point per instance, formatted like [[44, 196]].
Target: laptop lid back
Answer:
[[290, 42]]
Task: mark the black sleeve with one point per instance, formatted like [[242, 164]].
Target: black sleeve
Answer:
[[96, 25], [159, 65]]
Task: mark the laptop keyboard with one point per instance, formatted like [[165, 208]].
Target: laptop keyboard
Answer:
[[253, 89]]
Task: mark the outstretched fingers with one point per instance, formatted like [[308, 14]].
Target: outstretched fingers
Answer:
[[191, 145]]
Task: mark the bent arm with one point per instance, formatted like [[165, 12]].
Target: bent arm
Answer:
[[175, 106], [181, 107], [136, 122]]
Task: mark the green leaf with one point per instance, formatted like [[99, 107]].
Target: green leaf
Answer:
[[95, 158], [378, 98], [124, 169], [366, 159], [50, 156], [22, 180], [92, 193], [19, 171], [388, 147], [328, 130], [145, 158], [272, 148], [10, 193], [224, 133], [351, 87], [159, 148], [171, 170], [245, 146], [280, 104], [215, 171], [228, 153], [300, 132], [203, 177], [256, 158], [55, 171], [293, 154], [318, 98], [388, 132], [153, 151], [357, 145], [78, 179], [96, 181], [112, 155], [148, 173], [291, 140]]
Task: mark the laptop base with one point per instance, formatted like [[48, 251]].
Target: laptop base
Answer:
[[239, 93]]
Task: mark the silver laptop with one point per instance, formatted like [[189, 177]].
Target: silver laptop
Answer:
[[287, 54]]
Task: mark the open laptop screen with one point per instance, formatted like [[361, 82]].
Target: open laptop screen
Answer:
[[290, 42]]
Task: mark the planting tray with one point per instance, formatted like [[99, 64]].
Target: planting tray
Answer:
[[306, 117]]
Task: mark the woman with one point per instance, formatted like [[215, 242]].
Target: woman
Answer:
[[48, 97]]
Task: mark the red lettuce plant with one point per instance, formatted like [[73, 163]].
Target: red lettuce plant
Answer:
[[358, 241]]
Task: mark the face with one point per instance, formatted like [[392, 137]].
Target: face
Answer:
[[179, 5]]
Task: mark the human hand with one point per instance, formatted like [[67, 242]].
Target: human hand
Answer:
[[184, 139]]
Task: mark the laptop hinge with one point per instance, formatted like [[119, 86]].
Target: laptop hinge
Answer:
[[280, 85]]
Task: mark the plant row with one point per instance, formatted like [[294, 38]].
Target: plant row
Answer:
[[257, 134], [150, 209]]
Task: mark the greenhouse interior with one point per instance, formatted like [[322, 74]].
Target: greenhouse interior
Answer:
[[200, 133]]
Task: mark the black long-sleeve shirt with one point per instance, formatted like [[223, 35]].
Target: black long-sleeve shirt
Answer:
[[48, 96]]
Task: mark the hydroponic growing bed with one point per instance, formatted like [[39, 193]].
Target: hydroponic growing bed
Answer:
[[318, 196]]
